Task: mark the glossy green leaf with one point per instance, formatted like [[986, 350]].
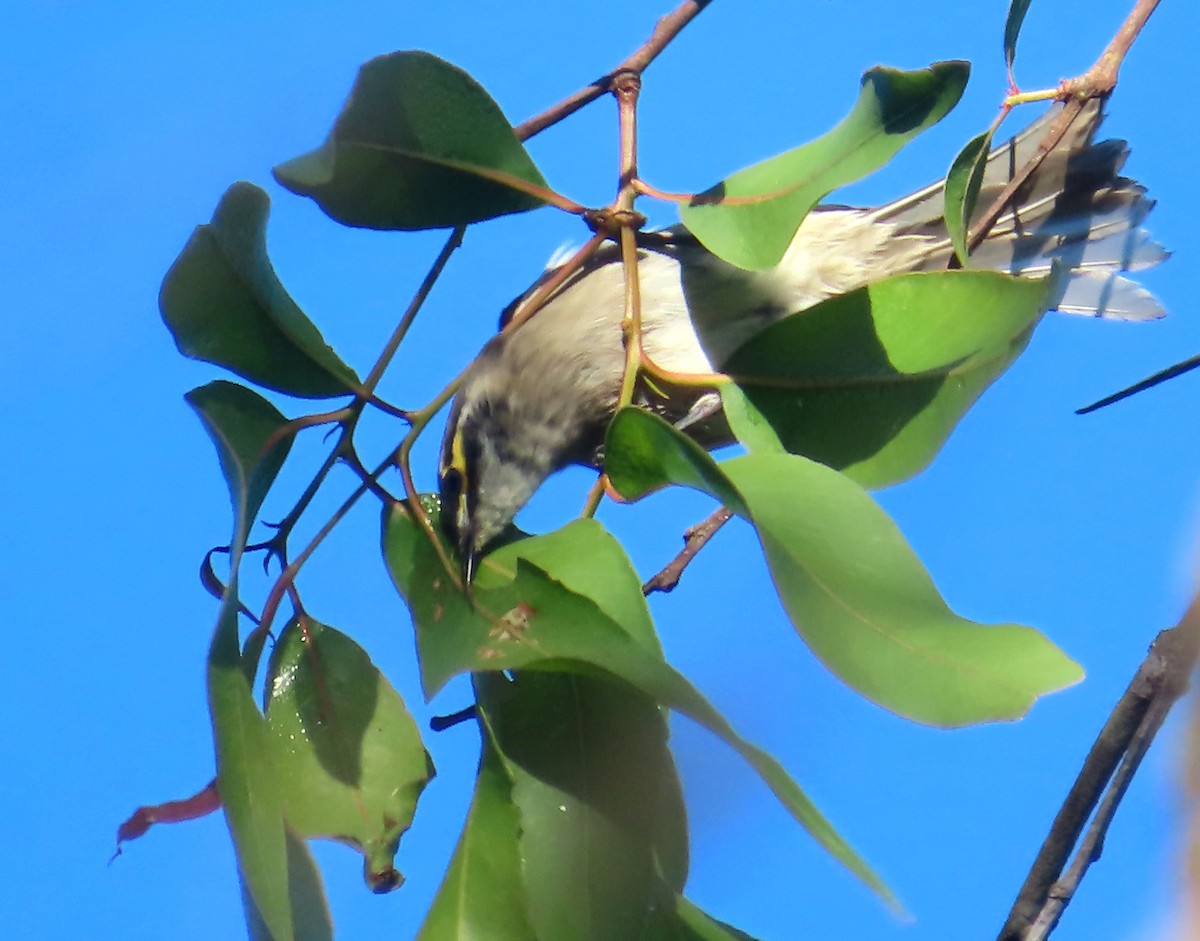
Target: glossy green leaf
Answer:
[[962, 191], [592, 778], [872, 382], [523, 617], [347, 750], [1012, 28], [242, 424], [483, 896], [310, 913], [224, 304], [857, 593], [419, 145], [749, 219]]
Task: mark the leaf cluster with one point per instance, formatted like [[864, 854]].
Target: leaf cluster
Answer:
[[577, 827]]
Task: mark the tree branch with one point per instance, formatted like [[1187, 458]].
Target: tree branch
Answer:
[[665, 30], [694, 540], [1110, 765], [1096, 82]]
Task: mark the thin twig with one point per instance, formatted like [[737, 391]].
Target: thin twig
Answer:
[[665, 30], [368, 482], [693, 541], [1110, 765], [453, 241], [1096, 82], [1053, 135], [1148, 383]]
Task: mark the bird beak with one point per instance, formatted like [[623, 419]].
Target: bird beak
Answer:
[[469, 560]]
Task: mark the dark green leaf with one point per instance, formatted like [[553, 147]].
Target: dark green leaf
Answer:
[[749, 219], [1012, 29], [483, 896], [310, 913], [241, 423], [962, 191], [872, 382], [591, 779], [522, 617], [858, 595], [223, 304], [419, 145], [345, 747]]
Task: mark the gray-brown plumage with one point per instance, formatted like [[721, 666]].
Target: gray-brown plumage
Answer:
[[539, 397]]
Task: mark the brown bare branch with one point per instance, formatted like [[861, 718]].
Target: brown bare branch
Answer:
[[694, 540], [1096, 82], [665, 30], [1110, 765]]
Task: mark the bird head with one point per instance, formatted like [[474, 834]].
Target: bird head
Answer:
[[498, 448]]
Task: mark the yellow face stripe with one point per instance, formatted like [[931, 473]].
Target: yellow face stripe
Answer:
[[458, 459]]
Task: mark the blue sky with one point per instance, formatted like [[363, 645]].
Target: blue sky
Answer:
[[124, 123]]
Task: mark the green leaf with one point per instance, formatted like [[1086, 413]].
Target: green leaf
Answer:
[[591, 778], [347, 750], [247, 781], [482, 895], [872, 382], [707, 928], [962, 191], [522, 617], [750, 218], [602, 573], [241, 423], [419, 145], [634, 457], [310, 913], [749, 425], [684, 921], [224, 304], [1012, 29], [858, 595]]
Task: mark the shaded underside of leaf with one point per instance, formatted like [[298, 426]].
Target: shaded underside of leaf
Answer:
[[595, 788], [241, 423], [419, 145], [873, 381], [224, 304], [346, 748]]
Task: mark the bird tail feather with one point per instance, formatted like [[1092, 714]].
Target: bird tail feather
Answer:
[[1075, 209]]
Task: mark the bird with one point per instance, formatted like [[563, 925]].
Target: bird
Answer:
[[539, 396]]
